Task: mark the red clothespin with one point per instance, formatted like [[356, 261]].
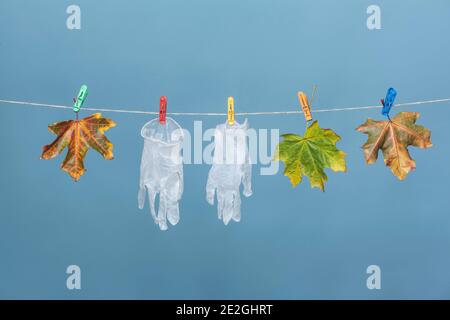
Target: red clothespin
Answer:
[[162, 109]]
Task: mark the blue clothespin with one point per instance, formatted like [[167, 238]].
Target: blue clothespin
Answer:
[[388, 102]]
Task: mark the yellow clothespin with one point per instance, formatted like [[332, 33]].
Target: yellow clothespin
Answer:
[[306, 107], [230, 110]]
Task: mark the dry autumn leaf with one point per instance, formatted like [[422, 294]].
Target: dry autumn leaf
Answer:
[[393, 138], [310, 155], [79, 136]]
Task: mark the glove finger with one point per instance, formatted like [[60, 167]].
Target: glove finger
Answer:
[[228, 209], [247, 191], [180, 183], [220, 204], [172, 187], [210, 192], [151, 199], [162, 211], [236, 207], [141, 197], [171, 194], [173, 212], [210, 189]]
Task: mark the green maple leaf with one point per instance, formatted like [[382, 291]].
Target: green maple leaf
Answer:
[[310, 155]]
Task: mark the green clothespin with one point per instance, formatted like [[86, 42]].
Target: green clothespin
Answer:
[[82, 95]]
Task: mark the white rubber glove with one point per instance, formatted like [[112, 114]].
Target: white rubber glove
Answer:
[[162, 170], [231, 166]]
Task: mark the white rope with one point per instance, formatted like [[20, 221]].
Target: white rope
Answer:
[[55, 106]]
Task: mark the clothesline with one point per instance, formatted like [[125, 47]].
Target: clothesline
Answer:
[[299, 111]]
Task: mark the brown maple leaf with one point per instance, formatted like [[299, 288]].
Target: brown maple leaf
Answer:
[[79, 136], [393, 138]]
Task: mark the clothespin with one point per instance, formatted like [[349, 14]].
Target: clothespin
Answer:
[[230, 110], [306, 107], [162, 109], [388, 102], [79, 100]]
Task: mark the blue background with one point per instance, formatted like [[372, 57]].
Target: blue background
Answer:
[[291, 243]]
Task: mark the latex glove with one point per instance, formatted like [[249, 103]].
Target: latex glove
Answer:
[[162, 170], [231, 167]]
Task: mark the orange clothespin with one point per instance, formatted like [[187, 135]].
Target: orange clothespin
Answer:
[[162, 109], [306, 107], [230, 110]]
